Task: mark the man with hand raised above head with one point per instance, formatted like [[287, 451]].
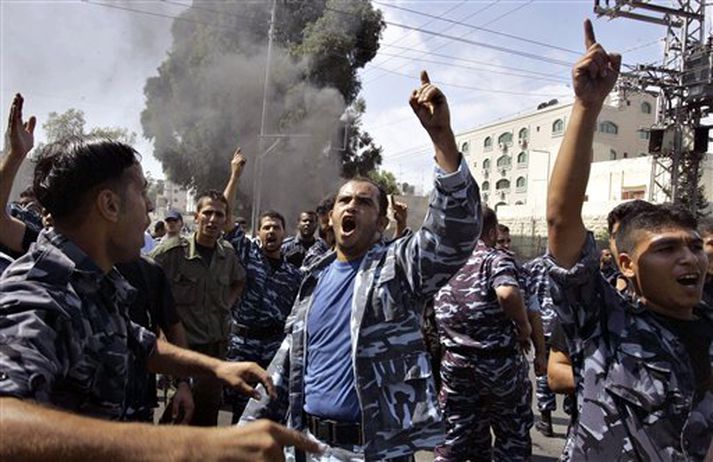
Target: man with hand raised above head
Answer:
[[353, 369], [642, 361]]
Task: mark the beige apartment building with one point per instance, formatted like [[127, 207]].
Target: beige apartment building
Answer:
[[512, 159]]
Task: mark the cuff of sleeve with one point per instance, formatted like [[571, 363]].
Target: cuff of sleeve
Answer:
[[450, 182], [582, 271]]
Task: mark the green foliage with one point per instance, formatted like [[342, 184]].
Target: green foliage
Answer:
[[207, 96], [386, 180], [362, 155], [72, 123]]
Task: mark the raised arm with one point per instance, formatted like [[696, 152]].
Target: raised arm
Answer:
[[431, 255], [236, 169], [19, 140], [593, 77]]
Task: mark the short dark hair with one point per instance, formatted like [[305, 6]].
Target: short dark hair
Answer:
[[383, 198], [28, 192], [503, 229], [625, 209], [271, 214], [159, 225], [656, 219], [68, 170], [212, 195], [490, 220], [308, 212], [705, 226], [325, 206]]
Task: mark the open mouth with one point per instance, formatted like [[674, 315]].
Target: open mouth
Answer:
[[689, 280], [348, 224]]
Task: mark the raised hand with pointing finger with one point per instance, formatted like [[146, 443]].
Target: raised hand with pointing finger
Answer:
[[595, 74], [431, 107]]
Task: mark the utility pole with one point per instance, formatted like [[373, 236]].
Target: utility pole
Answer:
[[684, 83], [257, 165]]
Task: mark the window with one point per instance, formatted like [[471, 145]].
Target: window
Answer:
[[520, 183], [499, 204], [558, 127], [625, 156], [608, 127], [486, 185], [646, 108], [475, 164], [505, 139], [485, 198], [522, 134], [486, 164], [642, 154], [522, 158], [465, 147], [644, 134], [519, 203], [502, 184], [503, 161], [488, 144], [612, 155], [635, 192]]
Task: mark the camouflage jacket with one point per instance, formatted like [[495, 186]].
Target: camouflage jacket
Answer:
[[634, 381], [295, 249], [318, 249], [542, 291], [467, 308], [65, 334], [269, 294], [392, 369]]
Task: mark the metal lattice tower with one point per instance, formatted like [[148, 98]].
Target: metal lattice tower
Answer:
[[683, 83]]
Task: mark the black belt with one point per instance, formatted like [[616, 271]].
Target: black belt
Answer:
[[259, 333], [334, 433]]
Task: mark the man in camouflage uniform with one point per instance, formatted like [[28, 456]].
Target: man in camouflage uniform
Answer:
[[353, 369], [294, 248], [483, 325], [705, 228], [206, 280], [258, 321], [642, 362], [66, 341], [325, 241], [541, 289]]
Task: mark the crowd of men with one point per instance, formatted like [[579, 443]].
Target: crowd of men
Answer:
[[352, 344]]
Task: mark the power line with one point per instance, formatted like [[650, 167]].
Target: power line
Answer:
[[466, 87], [473, 61], [497, 18], [462, 66], [483, 29]]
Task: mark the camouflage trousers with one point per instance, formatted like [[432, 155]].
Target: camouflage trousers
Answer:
[[260, 351], [545, 397], [483, 394], [334, 454]]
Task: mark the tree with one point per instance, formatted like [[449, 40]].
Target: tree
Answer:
[[361, 155], [72, 123], [386, 180], [207, 96]]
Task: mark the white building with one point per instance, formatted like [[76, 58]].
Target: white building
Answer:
[[512, 160]]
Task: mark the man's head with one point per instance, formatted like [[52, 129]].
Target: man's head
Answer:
[[159, 229], [212, 211], [618, 213], [705, 229], [358, 217], [174, 223], [605, 258], [271, 232], [242, 222], [95, 185], [323, 210], [28, 200], [504, 240], [489, 234], [661, 252], [307, 224]]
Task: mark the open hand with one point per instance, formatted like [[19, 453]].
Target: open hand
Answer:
[[399, 210], [19, 135], [243, 376], [183, 399], [595, 74]]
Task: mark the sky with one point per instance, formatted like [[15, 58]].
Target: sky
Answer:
[[96, 57]]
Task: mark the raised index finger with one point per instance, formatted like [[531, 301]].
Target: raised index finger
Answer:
[[424, 78], [589, 38]]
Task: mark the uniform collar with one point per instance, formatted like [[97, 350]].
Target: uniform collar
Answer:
[[193, 253]]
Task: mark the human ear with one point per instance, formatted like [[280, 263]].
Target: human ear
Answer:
[[108, 203]]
